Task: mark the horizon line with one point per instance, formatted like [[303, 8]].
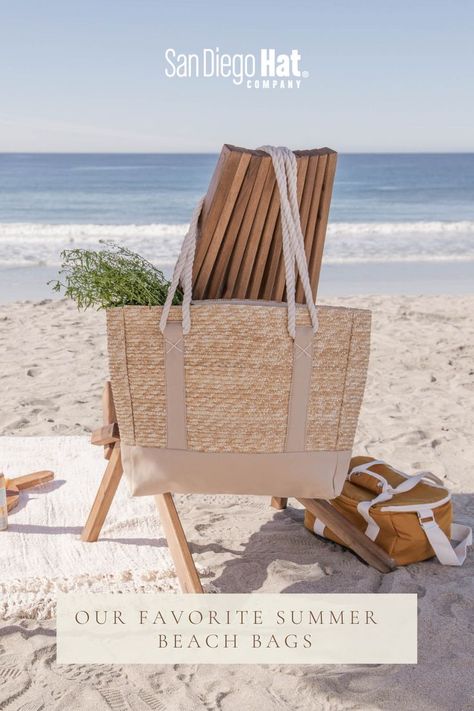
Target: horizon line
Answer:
[[213, 153]]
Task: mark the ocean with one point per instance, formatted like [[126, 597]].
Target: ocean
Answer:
[[398, 222]]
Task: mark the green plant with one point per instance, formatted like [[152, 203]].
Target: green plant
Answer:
[[113, 276]]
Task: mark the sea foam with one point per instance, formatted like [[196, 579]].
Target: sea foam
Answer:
[[29, 243]]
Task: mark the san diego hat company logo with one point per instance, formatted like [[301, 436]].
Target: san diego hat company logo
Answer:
[[265, 70]]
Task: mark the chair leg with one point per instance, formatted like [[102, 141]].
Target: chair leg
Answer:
[[350, 534], [108, 413], [104, 496], [279, 503], [178, 545]]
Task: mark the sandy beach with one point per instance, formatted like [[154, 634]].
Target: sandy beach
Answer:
[[417, 414]]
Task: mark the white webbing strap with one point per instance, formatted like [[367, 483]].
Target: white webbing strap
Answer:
[[319, 527], [428, 477], [372, 530], [285, 166], [446, 553], [387, 491]]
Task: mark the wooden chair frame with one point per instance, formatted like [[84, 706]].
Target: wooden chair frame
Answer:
[[239, 255], [108, 436]]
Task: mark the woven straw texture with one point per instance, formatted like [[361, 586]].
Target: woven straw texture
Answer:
[[238, 369]]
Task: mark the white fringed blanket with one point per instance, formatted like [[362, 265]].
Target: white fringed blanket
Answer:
[[41, 552]]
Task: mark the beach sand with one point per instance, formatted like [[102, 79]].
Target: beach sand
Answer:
[[417, 414]]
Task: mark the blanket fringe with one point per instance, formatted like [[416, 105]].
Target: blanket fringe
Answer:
[[35, 598]]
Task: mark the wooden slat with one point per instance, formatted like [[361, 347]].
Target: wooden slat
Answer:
[[201, 278], [274, 266], [240, 266], [215, 286], [29, 480], [216, 196], [13, 497], [308, 188], [310, 227], [275, 257], [178, 545], [108, 434], [307, 198], [257, 278], [104, 497], [279, 277], [223, 172], [350, 534], [323, 216], [279, 503], [249, 267]]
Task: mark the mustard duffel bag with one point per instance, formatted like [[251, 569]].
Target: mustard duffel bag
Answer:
[[410, 517]]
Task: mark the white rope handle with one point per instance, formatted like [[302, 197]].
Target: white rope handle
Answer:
[[183, 271], [285, 166]]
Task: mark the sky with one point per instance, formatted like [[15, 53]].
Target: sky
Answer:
[[89, 75]]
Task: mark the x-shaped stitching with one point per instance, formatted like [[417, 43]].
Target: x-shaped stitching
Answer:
[[303, 351], [173, 345]]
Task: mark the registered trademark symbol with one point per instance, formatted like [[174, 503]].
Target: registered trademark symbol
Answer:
[[305, 74]]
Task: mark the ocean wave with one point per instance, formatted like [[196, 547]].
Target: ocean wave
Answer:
[[40, 231], [399, 258], [397, 228], [166, 263], [30, 244], [34, 232]]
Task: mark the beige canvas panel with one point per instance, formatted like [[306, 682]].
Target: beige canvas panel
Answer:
[[300, 387], [175, 387], [151, 470]]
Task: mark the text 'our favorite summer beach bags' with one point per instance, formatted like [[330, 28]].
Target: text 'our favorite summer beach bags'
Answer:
[[410, 517], [248, 397]]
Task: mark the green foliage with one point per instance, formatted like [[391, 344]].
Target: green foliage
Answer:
[[114, 276]]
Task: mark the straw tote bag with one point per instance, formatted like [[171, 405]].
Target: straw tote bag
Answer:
[[239, 397]]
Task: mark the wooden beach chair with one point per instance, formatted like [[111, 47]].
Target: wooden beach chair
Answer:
[[239, 256]]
